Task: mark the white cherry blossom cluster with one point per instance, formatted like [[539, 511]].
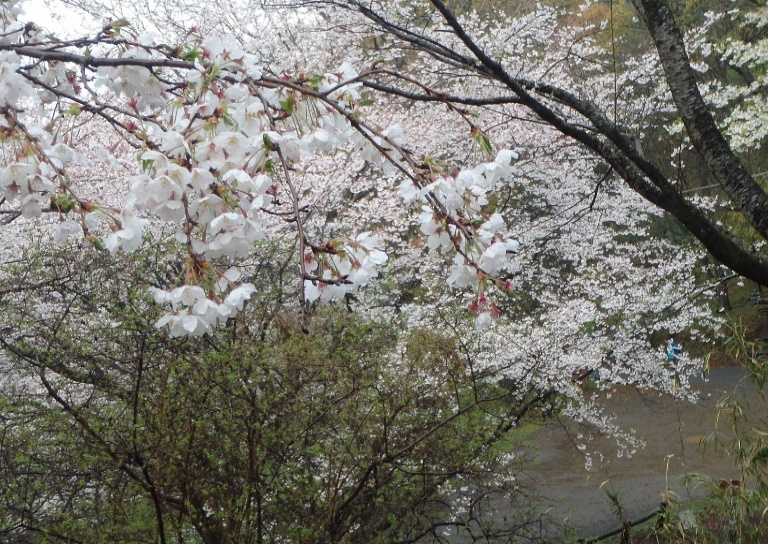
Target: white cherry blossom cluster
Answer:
[[460, 222], [195, 312], [215, 175], [219, 142], [741, 103], [341, 266]]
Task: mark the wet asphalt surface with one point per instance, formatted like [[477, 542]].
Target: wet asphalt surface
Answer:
[[671, 429]]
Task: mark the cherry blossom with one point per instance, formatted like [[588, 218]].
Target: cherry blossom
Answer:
[[227, 145]]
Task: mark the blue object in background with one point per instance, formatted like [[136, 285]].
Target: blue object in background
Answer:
[[673, 349]]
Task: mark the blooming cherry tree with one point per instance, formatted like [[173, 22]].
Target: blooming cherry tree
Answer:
[[218, 141], [224, 146], [468, 185]]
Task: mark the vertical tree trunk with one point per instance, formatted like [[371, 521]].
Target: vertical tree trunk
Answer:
[[706, 137], [718, 276]]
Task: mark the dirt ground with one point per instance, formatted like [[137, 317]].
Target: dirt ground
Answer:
[[671, 429]]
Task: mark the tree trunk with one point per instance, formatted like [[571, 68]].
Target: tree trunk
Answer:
[[706, 137]]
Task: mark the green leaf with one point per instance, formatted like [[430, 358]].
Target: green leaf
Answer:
[[314, 82], [96, 242], [483, 141], [64, 202], [191, 55], [289, 103], [760, 457]]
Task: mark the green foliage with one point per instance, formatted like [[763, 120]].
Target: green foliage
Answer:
[[746, 499], [356, 432]]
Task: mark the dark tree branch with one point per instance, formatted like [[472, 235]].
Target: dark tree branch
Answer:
[[92, 61], [440, 97], [639, 174]]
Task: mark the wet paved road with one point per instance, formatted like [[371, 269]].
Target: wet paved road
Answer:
[[671, 429]]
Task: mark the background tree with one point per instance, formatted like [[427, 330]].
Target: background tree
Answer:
[[113, 432], [593, 123]]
